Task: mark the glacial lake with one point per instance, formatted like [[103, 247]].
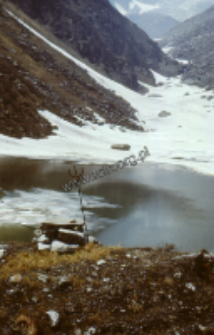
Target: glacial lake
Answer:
[[146, 205]]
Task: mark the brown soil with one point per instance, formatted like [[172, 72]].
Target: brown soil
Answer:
[[35, 77], [136, 291]]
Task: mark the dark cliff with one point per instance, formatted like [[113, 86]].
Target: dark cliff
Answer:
[[102, 36]]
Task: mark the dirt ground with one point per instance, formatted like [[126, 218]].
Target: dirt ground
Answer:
[[100, 290]]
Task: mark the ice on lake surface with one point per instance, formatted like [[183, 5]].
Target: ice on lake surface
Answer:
[[41, 205]]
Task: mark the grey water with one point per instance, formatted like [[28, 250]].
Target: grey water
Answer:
[[156, 204]]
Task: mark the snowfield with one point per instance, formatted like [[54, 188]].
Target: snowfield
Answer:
[[134, 4], [185, 136], [142, 6]]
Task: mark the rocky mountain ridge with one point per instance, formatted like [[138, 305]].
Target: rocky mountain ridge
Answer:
[[180, 10], [157, 17], [193, 40], [100, 35]]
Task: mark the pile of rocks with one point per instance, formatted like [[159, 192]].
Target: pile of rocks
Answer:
[[62, 237]]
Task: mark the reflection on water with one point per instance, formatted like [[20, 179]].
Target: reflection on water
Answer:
[[147, 205], [159, 205], [12, 232]]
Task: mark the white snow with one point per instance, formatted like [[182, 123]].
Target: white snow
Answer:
[[120, 9], [185, 137], [183, 61], [142, 6], [167, 49]]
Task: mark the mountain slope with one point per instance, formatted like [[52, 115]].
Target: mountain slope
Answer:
[[34, 77], [157, 17], [193, 40], [103, 37], [177, 9], [154, 24]]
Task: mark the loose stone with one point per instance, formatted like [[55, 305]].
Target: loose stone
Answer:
[[101, 262], [15, 279], [43, 278], [1, 253], [54, 318]]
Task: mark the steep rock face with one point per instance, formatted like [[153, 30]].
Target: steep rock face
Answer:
[[193, 40], [104, 37]]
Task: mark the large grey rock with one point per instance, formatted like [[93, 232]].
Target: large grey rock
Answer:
[[164, 114], [125, 147], [155, 95]]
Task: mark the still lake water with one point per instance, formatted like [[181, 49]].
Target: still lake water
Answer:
[[146, 205]]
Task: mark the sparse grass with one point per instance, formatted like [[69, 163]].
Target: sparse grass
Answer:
[[137, 297], [23, 262]]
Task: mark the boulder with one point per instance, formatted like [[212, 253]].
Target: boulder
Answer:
[[155, 96], [71, 237], [164, 114], [125, 147], [63, 247]]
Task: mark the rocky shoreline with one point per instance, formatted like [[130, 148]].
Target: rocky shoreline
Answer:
[[105, 290]]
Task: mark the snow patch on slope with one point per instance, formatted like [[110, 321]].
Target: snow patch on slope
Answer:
[[142, 6], [120, 9]]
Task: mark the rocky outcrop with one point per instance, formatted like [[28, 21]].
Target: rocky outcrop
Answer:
[[193, 40], [98, 33]]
